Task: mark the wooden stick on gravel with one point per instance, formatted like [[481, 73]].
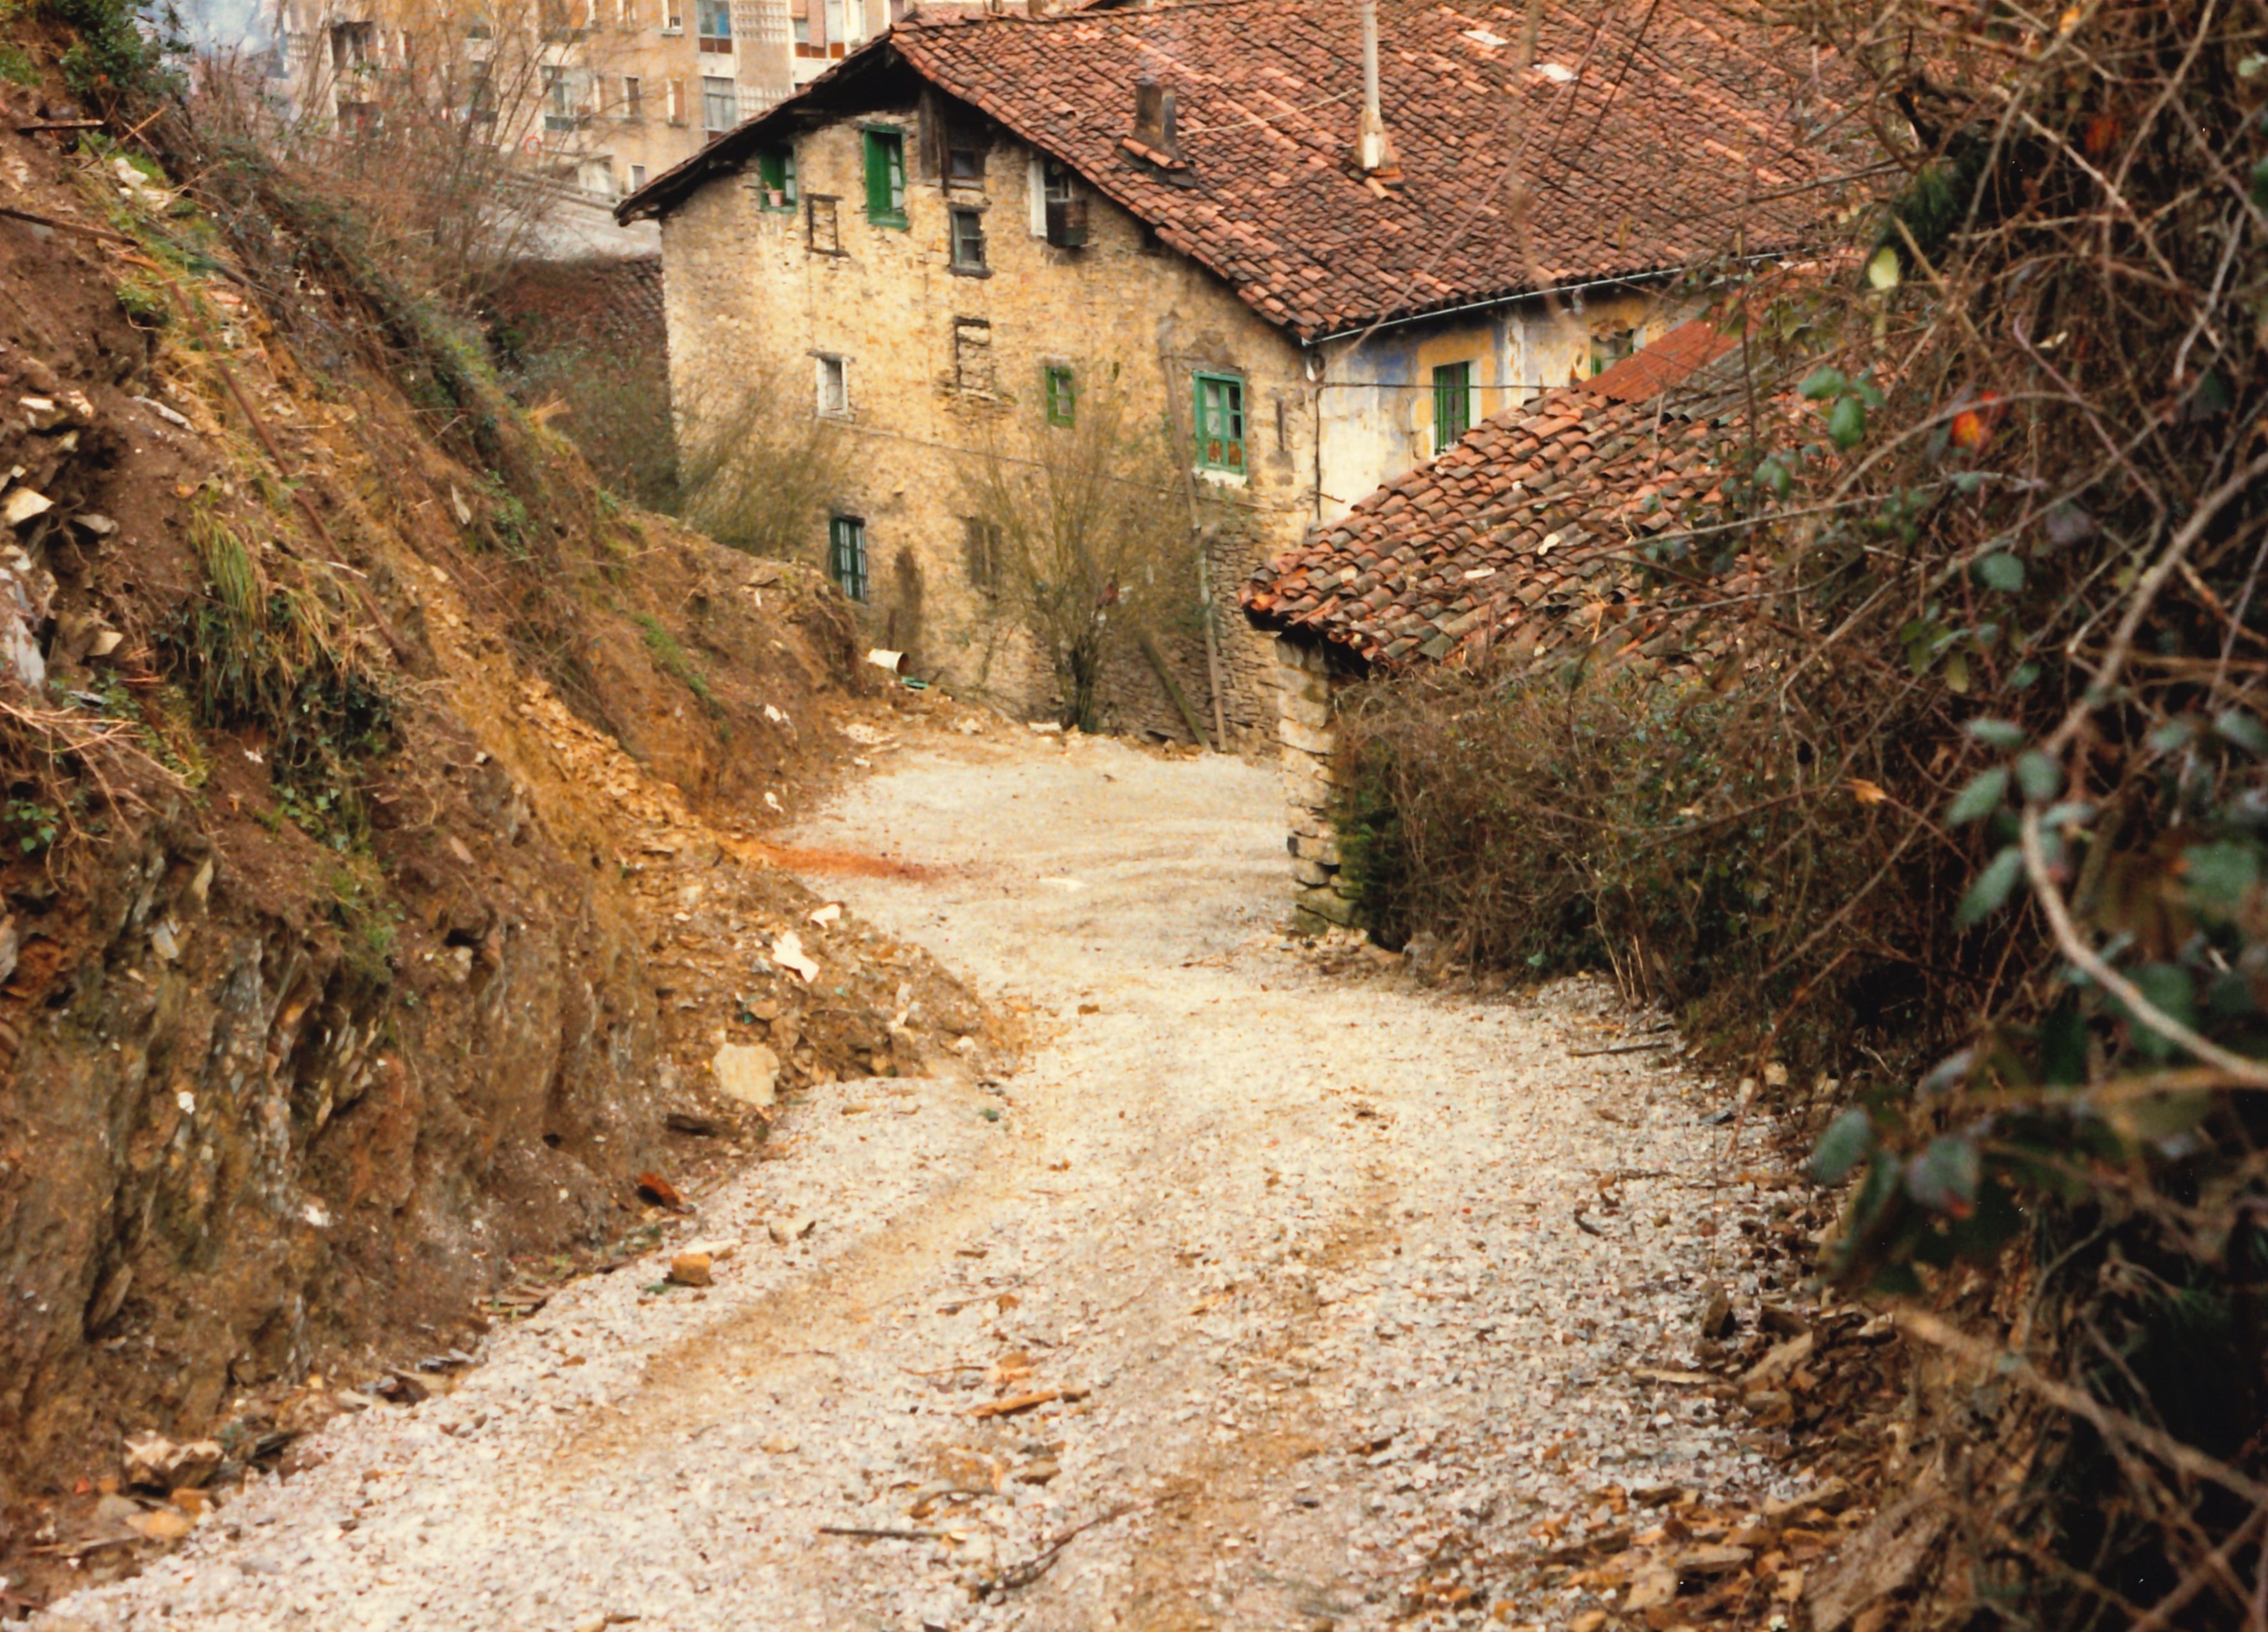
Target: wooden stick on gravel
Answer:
[[1024, 1402], [1032, 1568]]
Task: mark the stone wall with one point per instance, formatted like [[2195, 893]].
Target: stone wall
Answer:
[[1308, 685], [750, 298]]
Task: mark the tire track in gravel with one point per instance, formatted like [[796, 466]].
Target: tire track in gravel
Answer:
[[1297, 1243]]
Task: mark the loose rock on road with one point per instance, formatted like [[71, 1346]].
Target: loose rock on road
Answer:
[[1258, 1298]]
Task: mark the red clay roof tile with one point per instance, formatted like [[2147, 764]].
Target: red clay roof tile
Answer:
[[1511, 181], [1514, 567]]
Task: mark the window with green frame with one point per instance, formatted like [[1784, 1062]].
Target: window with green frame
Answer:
[[1611, 347], [1220, 422], [886, 177], [846, 555], [1062, 397], [776, 179], [1453, 404]]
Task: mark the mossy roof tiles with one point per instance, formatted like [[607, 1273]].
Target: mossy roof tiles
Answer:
[[1473, 551]]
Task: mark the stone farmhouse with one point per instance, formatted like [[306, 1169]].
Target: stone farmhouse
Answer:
[[1318, 275], [1527, 543]]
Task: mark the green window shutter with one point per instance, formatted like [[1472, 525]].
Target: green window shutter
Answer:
[[877, 177], [1062, 397], [1453, 404], [886, 178]]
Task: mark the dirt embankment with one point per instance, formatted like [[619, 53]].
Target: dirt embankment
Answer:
[[364, 935]]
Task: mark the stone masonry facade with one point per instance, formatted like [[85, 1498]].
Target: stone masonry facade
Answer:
[[760, 295]]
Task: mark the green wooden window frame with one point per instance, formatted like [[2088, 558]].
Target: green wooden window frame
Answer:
[[846, 555], [776, 179], [1062, 396], [1219, 420], [1453, 404], [1610, 347], [886, 176]]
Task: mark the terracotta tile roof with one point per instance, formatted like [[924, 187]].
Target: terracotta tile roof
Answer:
[[1648, 138], [1532, 532]]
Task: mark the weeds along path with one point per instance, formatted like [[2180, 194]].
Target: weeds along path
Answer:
[[1267, 1273]]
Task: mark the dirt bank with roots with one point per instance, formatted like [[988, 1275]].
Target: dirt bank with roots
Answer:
[[367, 943]]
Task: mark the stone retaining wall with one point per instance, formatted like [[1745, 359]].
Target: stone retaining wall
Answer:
[[1307, 685]]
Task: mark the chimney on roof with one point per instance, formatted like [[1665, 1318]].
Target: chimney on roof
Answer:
[[1373, 154], [1153, 117]]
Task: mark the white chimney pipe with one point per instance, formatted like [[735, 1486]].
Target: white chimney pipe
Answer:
[[1373, 151]]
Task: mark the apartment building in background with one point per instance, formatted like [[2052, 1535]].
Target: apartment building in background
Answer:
[[598, 96]]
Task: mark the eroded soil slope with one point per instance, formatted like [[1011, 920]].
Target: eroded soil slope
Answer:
[[363, 935]]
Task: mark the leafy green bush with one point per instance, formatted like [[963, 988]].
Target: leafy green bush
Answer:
[[123, 50]]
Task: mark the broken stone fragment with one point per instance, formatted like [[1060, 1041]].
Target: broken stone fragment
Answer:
[[785, 1230], [157, 1462], [1830, 1496], [22, 505], [165, 1525], [747, 1072], [690, 1269], [1779, 1362], [788, 952]]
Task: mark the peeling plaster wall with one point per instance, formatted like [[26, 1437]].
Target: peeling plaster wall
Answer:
[[1377, 392]]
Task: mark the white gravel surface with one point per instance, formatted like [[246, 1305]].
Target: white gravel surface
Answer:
[[1303, 1240]]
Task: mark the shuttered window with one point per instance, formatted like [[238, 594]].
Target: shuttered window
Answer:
[[1453, 404], [886, 177]]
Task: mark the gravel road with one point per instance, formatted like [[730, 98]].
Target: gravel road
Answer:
[[1257, 1299]]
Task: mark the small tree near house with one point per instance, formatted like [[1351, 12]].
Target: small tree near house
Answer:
[[757, 470], [1079, 514]]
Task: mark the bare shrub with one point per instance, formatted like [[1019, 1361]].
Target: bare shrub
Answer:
[[451, 128], [2013, 536], [613, 406], [757, 469], [1595, 820], [1082, 544]]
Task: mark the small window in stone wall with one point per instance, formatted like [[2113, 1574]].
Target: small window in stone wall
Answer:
[[886, 176], [819, 232], [846, 555], [968, 229], [972, 355], [775, 186], [1219, 420], [834, 388], [1062, 387], [981, 548], [964, 157]]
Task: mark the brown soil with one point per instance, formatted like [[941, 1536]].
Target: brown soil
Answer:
[[298, 1068]]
